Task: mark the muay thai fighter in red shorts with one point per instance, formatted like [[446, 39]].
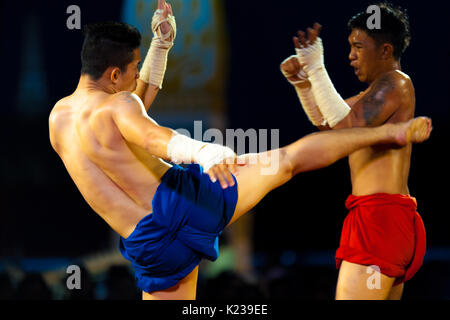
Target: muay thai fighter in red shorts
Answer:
[[382, 229]]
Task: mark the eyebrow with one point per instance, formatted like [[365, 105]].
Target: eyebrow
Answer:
[[355, 43]]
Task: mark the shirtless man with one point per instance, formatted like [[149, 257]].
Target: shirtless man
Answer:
[[383, 228], [169, 217]]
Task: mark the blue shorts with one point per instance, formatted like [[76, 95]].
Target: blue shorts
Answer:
[[189, 214]]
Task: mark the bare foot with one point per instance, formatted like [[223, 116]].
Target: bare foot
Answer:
[[416, 130]]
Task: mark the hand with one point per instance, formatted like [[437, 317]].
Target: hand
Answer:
[[313, 34], [293, 71], [223, 171], [310, 51], [165, 26]]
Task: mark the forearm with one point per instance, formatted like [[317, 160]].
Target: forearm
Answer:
[[308, 102], [147, 93], [155, 63], [295, 75], [330, 103]]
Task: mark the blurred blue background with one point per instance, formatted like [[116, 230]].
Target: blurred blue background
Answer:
[[223, 70]]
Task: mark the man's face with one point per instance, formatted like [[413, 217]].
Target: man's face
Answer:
[[128, 81], [364, 55]]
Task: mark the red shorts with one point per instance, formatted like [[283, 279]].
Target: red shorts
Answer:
[[384, 230]]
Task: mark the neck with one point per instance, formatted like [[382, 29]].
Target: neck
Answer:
[[386, 67], [86, 83]]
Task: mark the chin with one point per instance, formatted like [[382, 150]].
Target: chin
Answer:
[[362, 79]]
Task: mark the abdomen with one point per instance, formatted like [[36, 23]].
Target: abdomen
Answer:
[[378, 169]]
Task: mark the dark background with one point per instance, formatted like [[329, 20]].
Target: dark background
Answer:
[[43, 214]]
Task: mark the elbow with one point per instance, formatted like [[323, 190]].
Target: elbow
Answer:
[[156, 140], [324, 128]]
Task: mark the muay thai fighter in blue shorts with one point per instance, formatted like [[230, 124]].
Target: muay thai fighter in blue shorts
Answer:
[[170, 217]]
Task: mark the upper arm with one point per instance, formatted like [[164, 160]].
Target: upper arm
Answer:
[[52, 133], [56, 123], [132, 120], [378, 104]]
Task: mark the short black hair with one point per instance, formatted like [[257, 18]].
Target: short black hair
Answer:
[[394, 29], [108, 44]]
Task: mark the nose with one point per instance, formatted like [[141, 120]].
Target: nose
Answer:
[[352, 55]]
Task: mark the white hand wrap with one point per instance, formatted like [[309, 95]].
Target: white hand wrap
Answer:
[[182, 149], [155, 63], [306, 96], [303, 77], [330, 103], [310, 107]]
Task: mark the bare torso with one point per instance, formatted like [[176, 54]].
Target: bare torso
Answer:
[[116, 178], [382, 169]]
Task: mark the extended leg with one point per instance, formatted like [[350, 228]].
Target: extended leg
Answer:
[[322, 149], [271, 169]]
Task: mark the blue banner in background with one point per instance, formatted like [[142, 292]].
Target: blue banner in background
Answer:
[[194, 84]]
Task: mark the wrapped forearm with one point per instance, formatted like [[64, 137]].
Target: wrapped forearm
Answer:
[[155, 63], [332, 106], [309, 105], [299, 81], [182, 149]]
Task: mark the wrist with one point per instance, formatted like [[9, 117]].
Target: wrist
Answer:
[[211, 154], [302, 85]]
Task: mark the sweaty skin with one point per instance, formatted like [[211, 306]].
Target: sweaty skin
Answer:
[[390, 98], [117, 178]]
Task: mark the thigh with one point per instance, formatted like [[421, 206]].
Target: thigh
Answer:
[[357, 282], [262, 173], [186, 289], [396, 292]]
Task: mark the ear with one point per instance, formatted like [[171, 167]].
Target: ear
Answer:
[[115, 74], [387, 51]]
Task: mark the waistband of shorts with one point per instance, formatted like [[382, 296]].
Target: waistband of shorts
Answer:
[[381, 199]]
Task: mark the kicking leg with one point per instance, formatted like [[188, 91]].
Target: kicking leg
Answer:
[[269, 170], [322, 149]]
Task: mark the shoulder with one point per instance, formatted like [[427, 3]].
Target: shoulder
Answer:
[[126, 105], [394, 80], [57, 121], [125, 102], [393, 85], [59, 110], [126, 98]]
